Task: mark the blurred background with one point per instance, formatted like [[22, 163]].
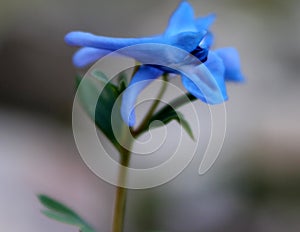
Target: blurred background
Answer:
[[253, 186]]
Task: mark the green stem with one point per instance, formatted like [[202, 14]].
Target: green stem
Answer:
[[176, 103], [146, 119], [121, 193], [136, 68]]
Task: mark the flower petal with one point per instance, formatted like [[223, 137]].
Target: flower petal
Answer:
[[85, 39], [217, 69], [208, 82], [182, 20], [203, 23], [151, 53], [142, 78], [87, 55], [170, 52], [187, 41], [231, 60]]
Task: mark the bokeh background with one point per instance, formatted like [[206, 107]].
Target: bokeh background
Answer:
[[253, 186]]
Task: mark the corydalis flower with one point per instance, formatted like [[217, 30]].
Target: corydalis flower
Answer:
[[185, 32]]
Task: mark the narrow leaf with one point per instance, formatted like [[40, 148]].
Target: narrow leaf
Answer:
[[63, 218], [185, 125], [56, 206], [106, 101], [59, 212], [100, 76], [169, 114]]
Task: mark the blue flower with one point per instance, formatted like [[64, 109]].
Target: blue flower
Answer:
[[185, 32]]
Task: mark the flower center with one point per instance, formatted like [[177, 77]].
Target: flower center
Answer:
[[200, 53]]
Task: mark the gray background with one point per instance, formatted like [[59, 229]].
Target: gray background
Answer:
[[254, 186]]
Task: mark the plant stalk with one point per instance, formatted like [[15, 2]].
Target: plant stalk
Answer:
[[121, 193], [152, 109]]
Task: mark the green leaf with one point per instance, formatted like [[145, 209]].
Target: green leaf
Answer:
[[103, 113], [59, 212], [122, 80], [56, 206], [167, 114], [184, 123], [100, 76], [62, 218]]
